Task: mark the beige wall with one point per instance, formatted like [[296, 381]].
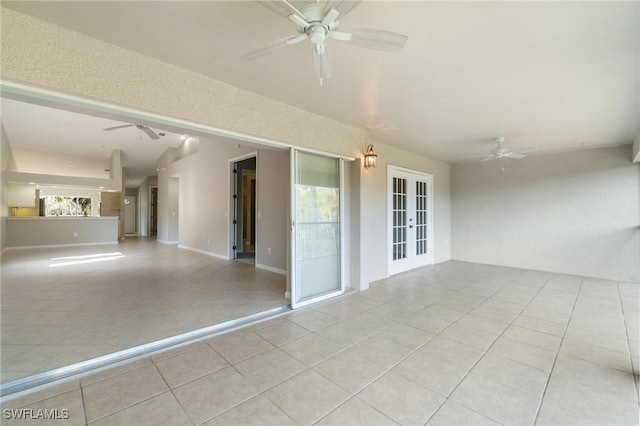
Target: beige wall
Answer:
[[574, 213], [42, 55], [43, 231], [203, 200], [373, 206]]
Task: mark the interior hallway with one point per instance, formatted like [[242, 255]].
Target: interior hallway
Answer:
[[65, 305], [452, 344]]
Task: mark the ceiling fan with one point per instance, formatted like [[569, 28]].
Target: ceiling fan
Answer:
[[140, 127], [318, 23], [501, 152]]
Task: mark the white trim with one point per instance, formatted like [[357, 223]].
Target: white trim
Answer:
[[49, 98], [291, 278], [428, 177], [167, 242], [271, 269], [103, 243], [342, 237], [231, 229], [208, 253], [295, 304]]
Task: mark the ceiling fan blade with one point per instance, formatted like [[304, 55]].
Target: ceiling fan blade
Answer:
[[119, 127], [489, 157], [343, 7], [150, 133], [478, 156], [377, 39], [340, 35], [330, 17], [322, 63], [297, 39], [300, 22], [269, 47], [282, 8], [514, 155]]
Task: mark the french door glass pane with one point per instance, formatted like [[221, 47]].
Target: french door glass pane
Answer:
[[317, 225], [399, 218], [421, 217]]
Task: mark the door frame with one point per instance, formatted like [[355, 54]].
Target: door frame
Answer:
[[292, 233], [428, 177], [233, 206]]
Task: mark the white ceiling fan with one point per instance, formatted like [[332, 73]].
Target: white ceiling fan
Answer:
[[501, 152], [140, 127], [317, 22]]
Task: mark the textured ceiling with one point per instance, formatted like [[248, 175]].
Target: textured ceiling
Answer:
[[553, 76]]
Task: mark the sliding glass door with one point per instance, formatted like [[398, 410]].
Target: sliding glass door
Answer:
[[316, 231]]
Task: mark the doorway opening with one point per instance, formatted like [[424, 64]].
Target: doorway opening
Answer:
[[153, 211], [244, 202]]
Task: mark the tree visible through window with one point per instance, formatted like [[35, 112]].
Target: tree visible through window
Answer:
[[56, 205]]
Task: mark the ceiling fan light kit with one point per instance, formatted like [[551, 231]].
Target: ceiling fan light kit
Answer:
[[318, 23]]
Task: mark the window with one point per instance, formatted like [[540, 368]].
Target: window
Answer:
[[55, 205]]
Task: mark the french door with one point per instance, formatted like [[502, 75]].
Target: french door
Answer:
[[410, 219], [316, 228]]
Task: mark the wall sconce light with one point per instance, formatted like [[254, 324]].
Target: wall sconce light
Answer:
[[370, 158]]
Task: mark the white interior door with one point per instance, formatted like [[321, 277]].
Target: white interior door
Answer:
[[410, 219], [316, 228]]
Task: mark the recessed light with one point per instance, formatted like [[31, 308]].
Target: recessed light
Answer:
[[32, 183], [71, 165]]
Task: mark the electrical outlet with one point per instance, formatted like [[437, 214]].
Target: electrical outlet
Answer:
[[75, 235], [269, 250]]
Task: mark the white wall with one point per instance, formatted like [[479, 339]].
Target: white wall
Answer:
[[273, 203], [203, 194], [43, 55], [373, 209], [574, 213]]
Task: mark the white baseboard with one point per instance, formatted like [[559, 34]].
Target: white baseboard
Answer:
[[167, 242], [271, 268], [208, 253], [60, 245], [287, 295]]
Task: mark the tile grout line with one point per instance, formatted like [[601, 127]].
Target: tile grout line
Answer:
[[171, 391], [490, 346], [555, 359], [436, 335], [84, 406], [636, 377], [311, 367]]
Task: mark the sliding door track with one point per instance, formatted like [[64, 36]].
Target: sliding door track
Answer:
[[85, 367]]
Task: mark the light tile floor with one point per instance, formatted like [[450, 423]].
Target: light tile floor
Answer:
[[66, 305], [452, 344]]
